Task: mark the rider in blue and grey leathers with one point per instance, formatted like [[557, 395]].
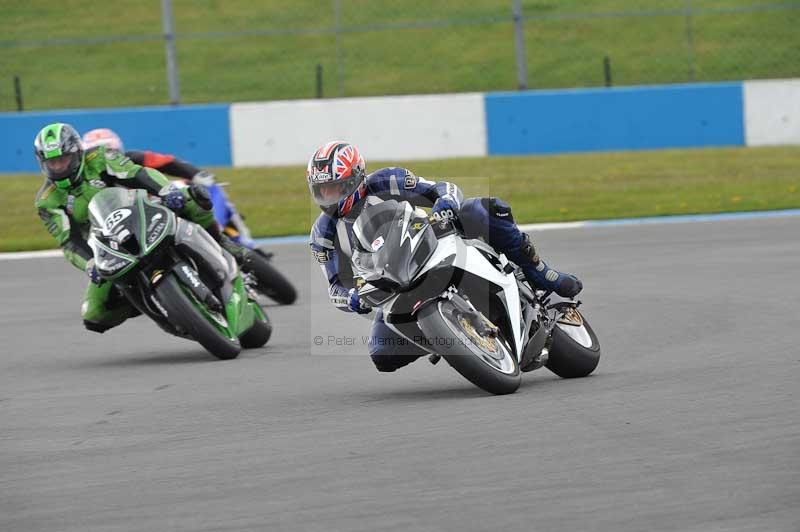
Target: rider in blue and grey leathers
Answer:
[[339, 184]]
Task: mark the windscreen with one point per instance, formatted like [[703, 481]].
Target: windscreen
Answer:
[[393, 242], [110, 206]]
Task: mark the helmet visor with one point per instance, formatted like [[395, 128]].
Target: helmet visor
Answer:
[[58, 165], [62, 167], [332, 192]]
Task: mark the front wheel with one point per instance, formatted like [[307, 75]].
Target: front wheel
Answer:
[[183, 313], [483, 360], [575, 351], [271, 282]]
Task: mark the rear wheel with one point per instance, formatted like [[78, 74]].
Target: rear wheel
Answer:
[[483, 360], [183, 313], [575, 351], [257, 335], [271, 282]]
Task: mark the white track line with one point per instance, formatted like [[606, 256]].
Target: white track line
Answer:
[[21, 255], [51, 253]]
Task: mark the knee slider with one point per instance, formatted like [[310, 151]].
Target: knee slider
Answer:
[[200, 195], [96, 326], [385, 368], [386, 363]]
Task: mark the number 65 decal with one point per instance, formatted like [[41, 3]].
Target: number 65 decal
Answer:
[[113, 219]]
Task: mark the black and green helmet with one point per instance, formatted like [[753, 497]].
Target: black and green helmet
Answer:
[[60, 153]]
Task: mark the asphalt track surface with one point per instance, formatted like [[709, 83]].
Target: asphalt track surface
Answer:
[[691, 422]]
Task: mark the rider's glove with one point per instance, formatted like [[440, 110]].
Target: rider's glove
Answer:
[[201, 196], [445, 208], [173, 198], [356, 304], [91, 271], [204, 178]]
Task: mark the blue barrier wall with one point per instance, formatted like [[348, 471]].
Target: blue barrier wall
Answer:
[[197, 133], [628, 118]]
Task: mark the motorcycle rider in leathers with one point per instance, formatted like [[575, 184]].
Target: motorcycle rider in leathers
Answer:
[[170, 165], [340, 186], [72, 178], [165, 163]]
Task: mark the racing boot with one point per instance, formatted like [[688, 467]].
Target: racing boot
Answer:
[[239, 252], [540, 275]]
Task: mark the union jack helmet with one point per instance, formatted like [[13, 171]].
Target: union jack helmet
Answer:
[[336, 177]]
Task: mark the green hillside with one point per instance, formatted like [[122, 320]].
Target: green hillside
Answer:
[[238, 50]]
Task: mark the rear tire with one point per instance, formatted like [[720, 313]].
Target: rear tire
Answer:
[[568, 358], [184, 314], [469, 364], [271, 282], [257, 335]]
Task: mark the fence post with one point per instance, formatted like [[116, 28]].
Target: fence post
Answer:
[[337, 16], [689, 38], [18, 92], [319, 80], [519, 45], [168, 25], [607, 70]]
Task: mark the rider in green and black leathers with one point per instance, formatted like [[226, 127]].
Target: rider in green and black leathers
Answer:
[[73, 177]]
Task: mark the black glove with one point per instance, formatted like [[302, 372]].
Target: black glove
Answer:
[[200, 195]]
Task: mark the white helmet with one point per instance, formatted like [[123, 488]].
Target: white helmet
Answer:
[[102, 137]]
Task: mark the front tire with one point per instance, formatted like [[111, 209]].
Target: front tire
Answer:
[[498, 376], [271, 282], [181, 312], [574, 352]]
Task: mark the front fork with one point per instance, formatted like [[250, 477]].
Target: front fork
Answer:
[[463, 305], [547, 316]]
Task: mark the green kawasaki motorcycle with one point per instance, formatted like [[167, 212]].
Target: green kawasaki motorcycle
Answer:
[[173, 271]]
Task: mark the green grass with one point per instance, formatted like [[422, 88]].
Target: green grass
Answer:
[[474, 52], [540, 189]]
